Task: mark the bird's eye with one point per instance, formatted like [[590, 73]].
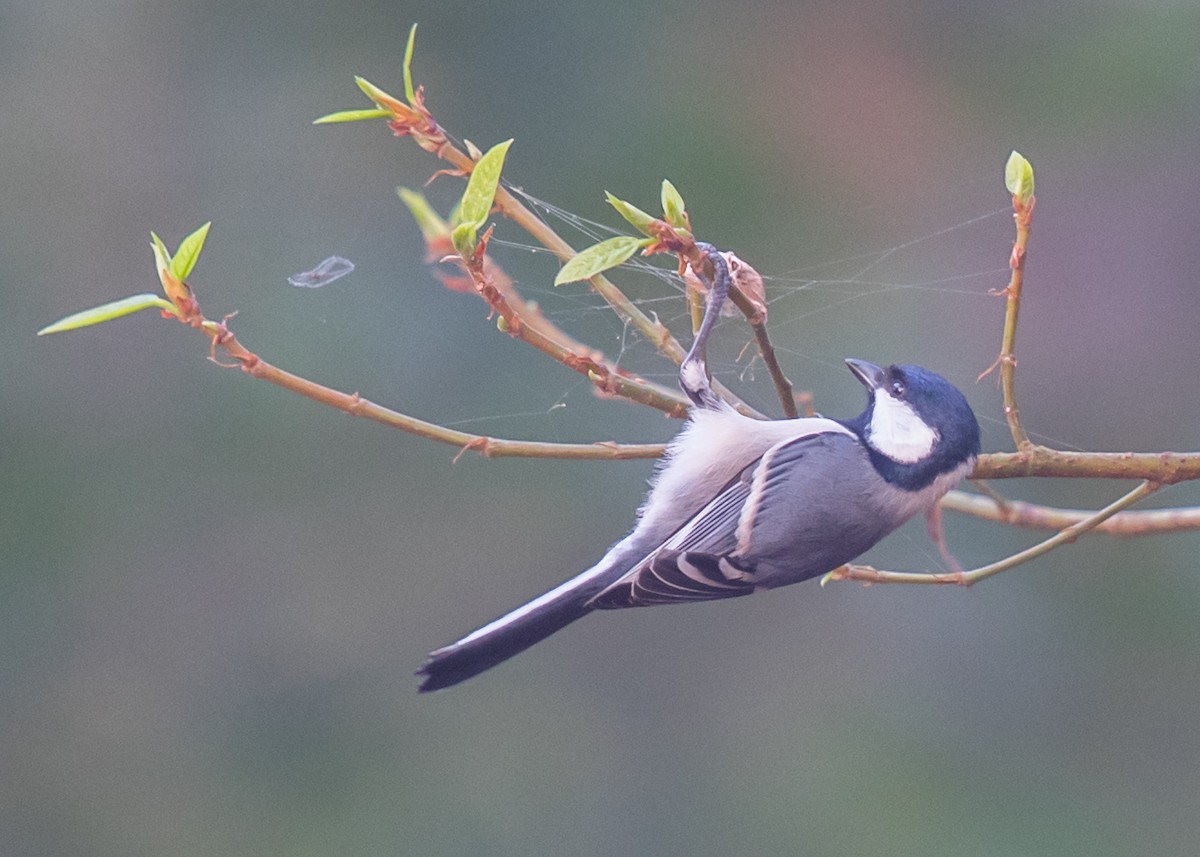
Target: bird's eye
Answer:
[[898, 389]]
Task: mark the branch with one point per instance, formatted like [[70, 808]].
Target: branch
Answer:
[[415, 120], [525, 321], [866, 574], [356, 405], [1019, 175], [1161, 468], [607, 381], [1165, 468], [758, 324], [1038, 517]]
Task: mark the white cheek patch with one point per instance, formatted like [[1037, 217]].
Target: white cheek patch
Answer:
[[897, 431]]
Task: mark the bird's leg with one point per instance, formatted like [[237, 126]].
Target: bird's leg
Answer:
[[693, 371], [937, 532]]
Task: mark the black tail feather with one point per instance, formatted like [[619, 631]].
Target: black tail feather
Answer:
[[516, 631], [472, 655]]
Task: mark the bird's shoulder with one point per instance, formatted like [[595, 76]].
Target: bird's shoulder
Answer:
[[713, 448]]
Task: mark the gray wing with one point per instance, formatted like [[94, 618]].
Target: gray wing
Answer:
[[686, 567], [783, 519], [815, 505]]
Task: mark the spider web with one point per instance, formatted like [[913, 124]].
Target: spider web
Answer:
[[833, 294], [830, 296]]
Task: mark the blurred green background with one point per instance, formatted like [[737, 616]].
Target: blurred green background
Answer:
[[214, 593]]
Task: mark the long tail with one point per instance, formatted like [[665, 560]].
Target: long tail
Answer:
[[515, 632]]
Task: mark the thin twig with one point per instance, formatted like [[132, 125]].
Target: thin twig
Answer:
[[440, 248], [356, 405], [1035, 516], [606, 381], [748, 296], [866, 574], [783, 387], [526, 322], [514, 210], [416, 121], [1007, 361]]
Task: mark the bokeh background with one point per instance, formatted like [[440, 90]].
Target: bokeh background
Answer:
[[213, 594]]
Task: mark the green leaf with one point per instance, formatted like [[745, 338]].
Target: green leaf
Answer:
[[185, 257], [481, 186], [107, 312], [162, 259], [408, 55], [373, 92], [674, 211], [600, 257], [353, 116], [1018, 177], [463, 239], [639, 219], [428, 221]]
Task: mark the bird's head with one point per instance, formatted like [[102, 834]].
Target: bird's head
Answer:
[[917, 425]]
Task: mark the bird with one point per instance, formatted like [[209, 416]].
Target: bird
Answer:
[[739, 504]]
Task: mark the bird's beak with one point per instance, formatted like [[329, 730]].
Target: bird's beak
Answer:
[[871, 375]]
